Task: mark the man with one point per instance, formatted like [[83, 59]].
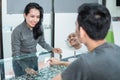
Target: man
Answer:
[[73, 42], [102, 60]]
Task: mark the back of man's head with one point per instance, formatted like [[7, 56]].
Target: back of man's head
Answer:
[[95, 19]]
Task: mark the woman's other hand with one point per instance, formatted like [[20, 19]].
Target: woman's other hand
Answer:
[[30, 71], [57, 50]]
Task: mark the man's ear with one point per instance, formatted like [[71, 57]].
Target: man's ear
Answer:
[[82, 32]]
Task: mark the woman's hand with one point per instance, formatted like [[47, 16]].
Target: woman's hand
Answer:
[[30, 71], [57, 50]]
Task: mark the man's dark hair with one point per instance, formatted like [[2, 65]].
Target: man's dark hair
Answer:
[[95, 19]]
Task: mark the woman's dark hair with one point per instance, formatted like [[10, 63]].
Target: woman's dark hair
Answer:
[[95, 19], [37, 31]]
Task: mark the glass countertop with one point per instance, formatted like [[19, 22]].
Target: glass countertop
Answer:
[[45, 72]]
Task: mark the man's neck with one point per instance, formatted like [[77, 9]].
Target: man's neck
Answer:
[[91, 45]]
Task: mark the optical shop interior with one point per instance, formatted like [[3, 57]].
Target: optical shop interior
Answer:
[[38, 38]]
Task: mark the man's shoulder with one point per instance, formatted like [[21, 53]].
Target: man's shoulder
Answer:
[[107, 47]]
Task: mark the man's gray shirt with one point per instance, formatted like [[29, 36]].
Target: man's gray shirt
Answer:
[[101, 64]]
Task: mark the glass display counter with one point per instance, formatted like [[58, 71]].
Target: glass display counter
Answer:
[[45, 72]]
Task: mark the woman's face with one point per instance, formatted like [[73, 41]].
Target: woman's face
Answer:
[[32, 18]]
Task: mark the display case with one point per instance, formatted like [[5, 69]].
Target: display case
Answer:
[[45, 71]]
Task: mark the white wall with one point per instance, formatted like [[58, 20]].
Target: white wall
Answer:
[[111, 5], [114, 10], [116, 31]]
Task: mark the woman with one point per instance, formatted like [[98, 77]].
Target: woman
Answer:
[[25, 38]]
